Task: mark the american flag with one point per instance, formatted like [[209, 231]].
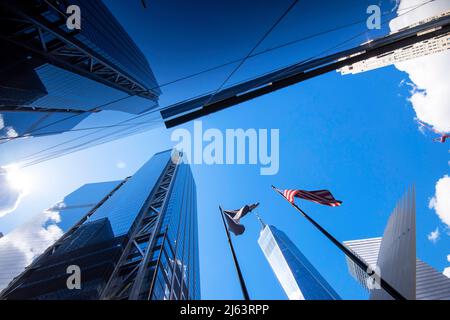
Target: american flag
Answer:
[[442, 138], [319, 196]]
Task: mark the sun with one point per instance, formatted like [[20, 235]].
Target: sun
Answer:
[[16, 178]]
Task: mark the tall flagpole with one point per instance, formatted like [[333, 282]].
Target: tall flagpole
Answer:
[[238, 269], [360, 263]]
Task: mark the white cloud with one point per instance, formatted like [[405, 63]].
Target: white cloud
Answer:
[[121, 165], [433, 236], [6, 131], [397, 3], [9, 196], [22, 245], [11, 133], [441, 200], [429, 97], [447, 270], [60, 205]]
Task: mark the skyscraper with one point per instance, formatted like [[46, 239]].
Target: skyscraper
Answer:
[[298, 277], [394, 255], [140, 242], [430, 283], [22, 245], [53, 75]]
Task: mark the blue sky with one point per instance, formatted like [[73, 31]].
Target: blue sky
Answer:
[[354, 135]]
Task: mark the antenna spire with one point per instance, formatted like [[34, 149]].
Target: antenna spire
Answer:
[[263, 225]]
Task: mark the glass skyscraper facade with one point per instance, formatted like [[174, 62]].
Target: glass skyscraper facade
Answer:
[[139, 242], [55, 90], [102, 33], [21, 246], [298, 277]]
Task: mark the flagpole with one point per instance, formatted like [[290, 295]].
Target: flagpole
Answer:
[[360, 263], [236, 264]]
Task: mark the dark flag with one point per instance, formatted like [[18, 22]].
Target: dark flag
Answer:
[[233, 218], [319, 196]]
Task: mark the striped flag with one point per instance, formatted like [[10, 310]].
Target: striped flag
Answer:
[[233, 218], [319, 196]]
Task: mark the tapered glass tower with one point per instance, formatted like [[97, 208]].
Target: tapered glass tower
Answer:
[[298, 277]]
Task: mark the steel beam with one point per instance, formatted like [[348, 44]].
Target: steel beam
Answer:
[[27, 108], [186, 111]]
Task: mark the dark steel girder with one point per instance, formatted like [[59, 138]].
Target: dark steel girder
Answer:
[[27, 108], [193, 109]]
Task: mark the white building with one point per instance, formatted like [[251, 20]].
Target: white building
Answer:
[[419, 49], [395, 256]]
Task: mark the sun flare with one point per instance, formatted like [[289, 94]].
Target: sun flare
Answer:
[[16, 178]]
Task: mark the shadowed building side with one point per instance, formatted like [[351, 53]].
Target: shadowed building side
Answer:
[[24, 244], [92, 248]]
